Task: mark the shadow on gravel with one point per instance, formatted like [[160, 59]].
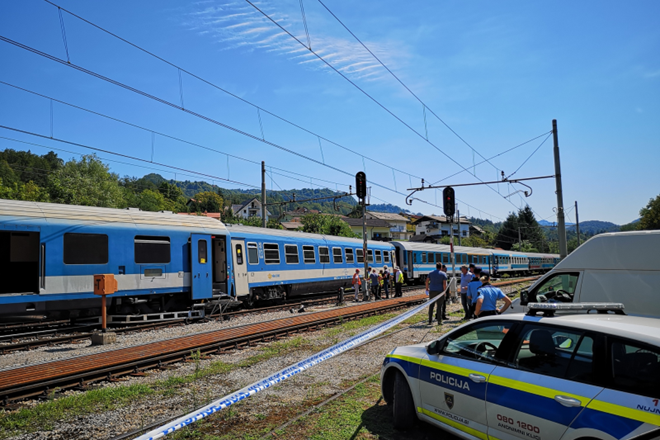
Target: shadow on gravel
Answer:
[[378, 421], [58, 350]]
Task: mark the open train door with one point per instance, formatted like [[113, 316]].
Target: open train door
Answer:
[[411, 267], [200, 266]]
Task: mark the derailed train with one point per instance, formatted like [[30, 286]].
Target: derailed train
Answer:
[[165, 262]]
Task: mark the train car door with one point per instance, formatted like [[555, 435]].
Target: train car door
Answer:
[[22, 259], [220, 265], [240, 267], [200, 266], [411, 272]]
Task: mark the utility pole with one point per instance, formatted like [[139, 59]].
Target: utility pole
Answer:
[[577, 223], [264, 220], [458, 214], [561, 229]]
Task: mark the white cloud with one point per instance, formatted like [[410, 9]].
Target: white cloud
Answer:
[[236, 25]]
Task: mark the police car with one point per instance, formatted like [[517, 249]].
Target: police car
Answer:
[[570, 376]]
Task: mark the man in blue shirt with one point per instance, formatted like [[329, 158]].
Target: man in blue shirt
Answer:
[[374, 283], [488, 297], [466, 277], [472, 290], [436, 284]]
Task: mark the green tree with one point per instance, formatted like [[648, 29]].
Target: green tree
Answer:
[[149, 200], [86, 182], [508, 233], [208, 201], [327, 225], [170, 191], [524, 246], [650, 215]]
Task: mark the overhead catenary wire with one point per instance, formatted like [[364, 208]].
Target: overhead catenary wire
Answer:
[[378, 103], [215, 86], [425, 106], [99, 76]]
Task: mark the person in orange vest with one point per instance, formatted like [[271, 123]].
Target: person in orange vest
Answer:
[[356, 284]]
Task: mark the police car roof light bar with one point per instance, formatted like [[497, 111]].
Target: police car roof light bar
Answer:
[[549, 309]]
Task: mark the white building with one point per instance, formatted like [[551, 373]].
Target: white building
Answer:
[[251, 208], [437, 226], [397, 224]]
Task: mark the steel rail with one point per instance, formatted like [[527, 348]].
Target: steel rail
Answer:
[[78, 373]]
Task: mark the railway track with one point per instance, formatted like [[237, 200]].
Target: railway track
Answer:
[[80, 372], [79, 334]]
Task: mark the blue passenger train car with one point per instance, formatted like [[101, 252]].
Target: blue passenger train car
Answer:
[[277, 264], [416, 260], [49, 254]]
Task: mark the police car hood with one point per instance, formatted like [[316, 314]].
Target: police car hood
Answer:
[[417, 351]]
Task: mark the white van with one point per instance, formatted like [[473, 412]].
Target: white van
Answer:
[[620, 267]]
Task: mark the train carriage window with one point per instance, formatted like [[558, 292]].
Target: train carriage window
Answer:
[[438, 258], [202, 253], [253, 253], [152, 250], [370, 256], [85, 248], [291, 254], [239, 254], [309, 255], [445, 258], [379, 258], [271, 253], [360, 255], [324, 255], [336, 256], [386, 257], [423, 257], [349, 255]]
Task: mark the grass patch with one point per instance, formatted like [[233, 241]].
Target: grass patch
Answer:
[[45, 414]]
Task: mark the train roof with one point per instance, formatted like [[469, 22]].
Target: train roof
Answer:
[[25, 211], [233, 229], [430, 247]]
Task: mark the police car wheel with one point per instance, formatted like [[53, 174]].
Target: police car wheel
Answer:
[[403, 407]]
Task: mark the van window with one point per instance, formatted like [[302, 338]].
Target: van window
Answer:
[[271, 253], [560, 287], [85, 248], [309, 255], [151, 250], [349, 255], [253, 253]]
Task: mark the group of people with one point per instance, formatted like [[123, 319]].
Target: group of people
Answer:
[[478, 297], [379, 283]]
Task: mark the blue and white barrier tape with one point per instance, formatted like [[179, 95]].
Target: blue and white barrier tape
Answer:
[[278, 377]]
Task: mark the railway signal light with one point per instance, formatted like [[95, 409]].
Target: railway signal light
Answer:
[[361, 185], [448, 201]]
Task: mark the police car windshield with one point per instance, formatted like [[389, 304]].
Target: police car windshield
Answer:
[[478, 342]]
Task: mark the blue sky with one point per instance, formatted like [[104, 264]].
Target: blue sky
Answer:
[[497, 73]]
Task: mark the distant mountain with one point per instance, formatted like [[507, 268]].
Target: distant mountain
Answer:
[[547, 223], [389, 208], [592, 227]]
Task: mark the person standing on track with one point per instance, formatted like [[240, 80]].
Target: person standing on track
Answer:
[[466, 277], [436, 284], [398, 282], [487, 299], [472, 289], [356, 284]]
